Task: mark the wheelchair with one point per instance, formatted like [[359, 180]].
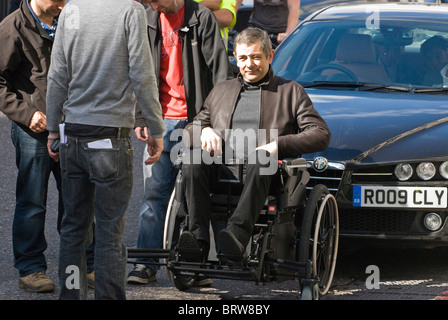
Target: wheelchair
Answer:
[[295, 237]]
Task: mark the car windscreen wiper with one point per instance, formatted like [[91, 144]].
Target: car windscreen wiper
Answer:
[[361, 86], [430, 90], [331, 84], [372, 87]]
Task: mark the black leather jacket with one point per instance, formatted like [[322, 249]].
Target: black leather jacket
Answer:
[[284, 106], [204, 56]]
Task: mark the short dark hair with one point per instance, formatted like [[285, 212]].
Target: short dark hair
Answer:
[[432, 44], [251, 35]]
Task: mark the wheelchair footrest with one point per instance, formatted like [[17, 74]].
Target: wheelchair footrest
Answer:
[[301, 269], [233, 260], [148, 253], [213, 269]]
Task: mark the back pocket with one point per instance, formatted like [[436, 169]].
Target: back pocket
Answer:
[[103, 163]]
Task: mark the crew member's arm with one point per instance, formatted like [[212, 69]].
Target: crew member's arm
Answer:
[[144, 84], [293, 19]]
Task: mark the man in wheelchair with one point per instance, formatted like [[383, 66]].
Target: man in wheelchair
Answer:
[[284, 124]]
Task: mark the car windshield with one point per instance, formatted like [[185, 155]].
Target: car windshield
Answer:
[[397, 54]]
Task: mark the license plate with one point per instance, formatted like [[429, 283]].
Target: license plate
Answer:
[[399, 197]]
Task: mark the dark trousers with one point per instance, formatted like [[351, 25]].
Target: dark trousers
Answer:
[[96, 183], [198, 181], [34, 168]]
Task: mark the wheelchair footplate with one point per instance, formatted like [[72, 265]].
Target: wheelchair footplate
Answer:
[[259, 263], [259, 266]]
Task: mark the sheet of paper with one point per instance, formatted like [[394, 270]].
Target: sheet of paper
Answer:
[[100, 144], [62, 136]]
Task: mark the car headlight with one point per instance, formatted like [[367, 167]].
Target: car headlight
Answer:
[[432, 221], [403, 171], [426, 170], [444, 170]]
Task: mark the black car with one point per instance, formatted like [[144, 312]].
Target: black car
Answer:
[[370, 72]]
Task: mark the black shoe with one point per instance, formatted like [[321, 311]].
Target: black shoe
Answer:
[[203, 281], [230, 246], [141, 274], [190, 249]]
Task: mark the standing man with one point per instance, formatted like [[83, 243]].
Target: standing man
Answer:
[[256, 101], [189, 59], [101, 67], [26, 37], [224, 10], [269, 15]]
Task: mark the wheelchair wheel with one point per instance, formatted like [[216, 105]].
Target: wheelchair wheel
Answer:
[[319, 236], [171, 234], [171, 222]]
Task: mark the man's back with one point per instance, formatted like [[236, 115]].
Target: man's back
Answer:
[[103, 45], [95, 47]]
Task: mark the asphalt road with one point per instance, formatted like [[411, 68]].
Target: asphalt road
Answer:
[[411, 274]]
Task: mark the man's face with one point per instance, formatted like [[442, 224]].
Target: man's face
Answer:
[[165, 6], [438, 58], [252, 61], [50, 7]]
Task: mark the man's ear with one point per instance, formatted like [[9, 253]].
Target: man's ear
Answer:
[[271, 56]]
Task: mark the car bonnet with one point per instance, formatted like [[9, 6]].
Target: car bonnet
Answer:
[[382, 127]]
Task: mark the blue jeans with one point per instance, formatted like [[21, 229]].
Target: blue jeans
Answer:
[[34, 168], [95, 183], [159, 180]]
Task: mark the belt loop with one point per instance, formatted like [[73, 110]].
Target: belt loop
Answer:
[[119, 133], [76, 140]]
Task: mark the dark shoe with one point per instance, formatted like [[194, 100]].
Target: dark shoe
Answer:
[[202, 281], [141, 275], [190, 249], [37, 282], [230, 246]]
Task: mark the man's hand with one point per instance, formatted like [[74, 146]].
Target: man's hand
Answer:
[[270, 147], [51, 138], [142, 133], [38, 122], [155, 148], [211, 141], [281, 37]]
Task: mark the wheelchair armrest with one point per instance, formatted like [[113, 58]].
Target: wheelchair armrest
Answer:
[[293, 166]]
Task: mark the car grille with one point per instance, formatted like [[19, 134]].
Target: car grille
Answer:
[[375, 221], [331, 177]]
